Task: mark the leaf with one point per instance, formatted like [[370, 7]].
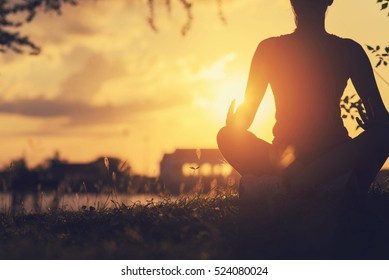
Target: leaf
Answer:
[[344, 116], [370, 48], [387, 49], [384, 6], [385, 63], [377, 48], [379, 63]]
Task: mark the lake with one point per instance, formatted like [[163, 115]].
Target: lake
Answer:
[[75, 201]]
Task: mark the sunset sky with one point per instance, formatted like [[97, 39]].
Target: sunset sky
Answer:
[[105, 84]]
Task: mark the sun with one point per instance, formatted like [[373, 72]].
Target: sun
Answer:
[[224, 92]]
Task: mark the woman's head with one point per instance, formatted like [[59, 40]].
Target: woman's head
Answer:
[[310, 10]]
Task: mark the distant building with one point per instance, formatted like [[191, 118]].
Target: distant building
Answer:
[[185, 169]]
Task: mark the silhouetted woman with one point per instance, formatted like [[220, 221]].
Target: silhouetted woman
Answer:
[[308, 71]]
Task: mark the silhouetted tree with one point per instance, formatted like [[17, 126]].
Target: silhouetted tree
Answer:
[[10, 37], [381, 53], [11, 10], [384, 4], [350, 104], [187, 6], [22, 182]]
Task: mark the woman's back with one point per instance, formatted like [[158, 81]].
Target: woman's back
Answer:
[[308, 77]]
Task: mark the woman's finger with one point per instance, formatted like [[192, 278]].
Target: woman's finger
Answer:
[[230, 113], [232, 108]]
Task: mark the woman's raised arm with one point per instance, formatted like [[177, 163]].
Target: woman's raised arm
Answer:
[[255, 90]]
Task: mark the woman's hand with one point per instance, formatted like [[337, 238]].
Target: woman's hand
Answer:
[[239, 119], [230, 120]]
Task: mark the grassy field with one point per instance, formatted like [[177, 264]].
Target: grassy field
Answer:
[[187, 228], [196, 227]]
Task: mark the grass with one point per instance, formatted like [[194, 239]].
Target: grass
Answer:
[[187, 228], [195, 227]]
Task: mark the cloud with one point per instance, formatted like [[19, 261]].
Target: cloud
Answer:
[[148, 87], [85, 83], [82, 113], [216, 71], [40, 107]]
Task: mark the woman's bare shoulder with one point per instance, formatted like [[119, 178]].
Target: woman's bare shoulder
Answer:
[[275, 39], [272, 42], [351, 46]]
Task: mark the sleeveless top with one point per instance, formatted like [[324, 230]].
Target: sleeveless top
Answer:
[[308, 78]]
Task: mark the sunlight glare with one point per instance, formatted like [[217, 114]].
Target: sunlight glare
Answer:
[[233, 88], [225, 91], [265, 118]]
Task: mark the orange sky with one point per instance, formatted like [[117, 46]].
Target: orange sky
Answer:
[[105, 84]]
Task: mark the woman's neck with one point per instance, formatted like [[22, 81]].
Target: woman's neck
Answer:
[[311, 29], [309, 26]]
